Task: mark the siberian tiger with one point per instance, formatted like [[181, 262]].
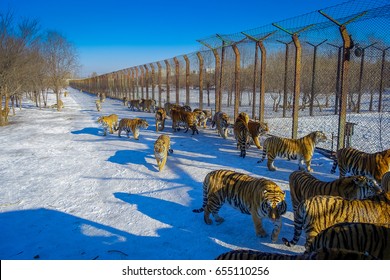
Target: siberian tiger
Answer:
[[188, 119], [241, 132], [258, 197], [303, 185], [134, 104], [148, 105], [320, 212], [320, 254], [169, 106], [162, 147], [132, 125], [257, 129], [98, 105], [302, 148], [201, 117], [161, 115], [221, 120], [362, 237], [386, 182], [176, 118], [125, 101], [109, 123], [186, 108], [58, 105], [353, 161]]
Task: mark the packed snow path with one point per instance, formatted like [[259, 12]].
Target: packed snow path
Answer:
[[68, 192]]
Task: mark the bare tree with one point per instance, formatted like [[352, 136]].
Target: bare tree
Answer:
[[61, 61], [17, 44]]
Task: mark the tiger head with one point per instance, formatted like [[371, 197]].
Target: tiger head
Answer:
[[319, 137], [102, 120], [273, 202], [142, 123], [224, 120], [161, 114], [243, 117], [370, 184], [159, 147]]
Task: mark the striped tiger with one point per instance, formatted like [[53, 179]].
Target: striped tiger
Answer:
[[362, 237], [303, 185], [320, 212], [98, 105], [241, 132], [109, 123], [385, 183], [201, 117], [162, 147], [125, 101], [320, 254], [160, 117], [169, 106], [132, 125], [148, 105], [301, 149], [184, 117], [221, 120], [350, 160], [256, 130], [189, 119], [134, 104], [258, 197]]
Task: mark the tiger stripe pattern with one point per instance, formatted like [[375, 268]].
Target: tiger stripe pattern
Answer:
[[301, 149], [320, 254], [162, 147], [256, 130], [201, 118], [350, 160], [160, 117], [303, 185], [241, 132], [109, 123], [362, 237], [258, 197], [385, 183], [148, 105], [320, 212], [134, 104], [189, 120], [132, 125], [221, 121]]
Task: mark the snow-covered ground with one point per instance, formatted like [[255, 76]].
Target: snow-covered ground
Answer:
[[68, 192]]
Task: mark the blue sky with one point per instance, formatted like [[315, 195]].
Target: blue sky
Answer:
[[115, 34]]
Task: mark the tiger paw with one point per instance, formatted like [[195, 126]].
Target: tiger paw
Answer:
[[261, 233], [219, 220], [286, 242]]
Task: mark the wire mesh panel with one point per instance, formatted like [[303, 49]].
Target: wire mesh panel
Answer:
[[326, 70]]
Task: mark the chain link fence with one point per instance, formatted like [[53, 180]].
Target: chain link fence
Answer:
[[326, 70]]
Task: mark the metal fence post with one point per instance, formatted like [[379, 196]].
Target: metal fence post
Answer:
[[187, 79], [146, 81], [177, 79], [159, 81], [168, 74], [347, 45], [201, 61], [153, 80]]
